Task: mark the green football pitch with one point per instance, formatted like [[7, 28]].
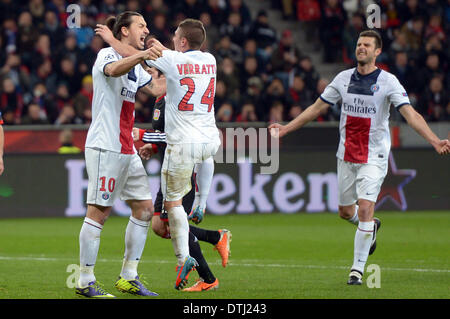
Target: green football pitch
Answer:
[[273, 256]]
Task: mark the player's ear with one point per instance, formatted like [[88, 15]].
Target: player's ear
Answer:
[[377, 51], [124, 31]]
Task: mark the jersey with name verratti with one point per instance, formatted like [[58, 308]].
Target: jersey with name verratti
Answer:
[[191, 87], [364, 123], [113, 105]]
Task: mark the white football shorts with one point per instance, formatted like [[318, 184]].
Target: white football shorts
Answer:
[[359, 181], [114, 175], [178, 165]]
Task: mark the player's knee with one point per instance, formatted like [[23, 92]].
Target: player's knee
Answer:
[[365, 210], [142, 210], [346, 212]]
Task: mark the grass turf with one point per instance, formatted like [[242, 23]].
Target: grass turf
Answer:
[[274, 256]]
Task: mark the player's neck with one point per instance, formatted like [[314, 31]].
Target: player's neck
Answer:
[[364, 69]]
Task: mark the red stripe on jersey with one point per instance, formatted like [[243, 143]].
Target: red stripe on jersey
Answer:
[[126, 127], [357, 139]]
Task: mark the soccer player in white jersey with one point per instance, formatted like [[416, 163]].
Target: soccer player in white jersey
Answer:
[[192, 134], [113, 166], [204, 170], [366, 93]]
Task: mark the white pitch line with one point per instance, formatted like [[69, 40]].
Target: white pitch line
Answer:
[[256, 264]]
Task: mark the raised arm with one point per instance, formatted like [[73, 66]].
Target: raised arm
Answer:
[[417, 122], [311, 113], [123, 66]]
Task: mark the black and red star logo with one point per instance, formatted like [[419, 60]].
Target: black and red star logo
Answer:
[[392, 188]]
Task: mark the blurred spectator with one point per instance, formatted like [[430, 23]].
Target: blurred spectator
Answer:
[[35, 116], [66, 142], [225, 112], [83, 100], [250, 70], [68, 116], [228, 73], [308, 72], [299, 94], [332, 20], [234, 29], [435, 27], [53, 29], [68, 75], [216, 12], [248, 113], [240, 7], [414, 32], [264, 35], [37, 9], [285, 57], [158, 28], [275, 92], [189, 8], [225, 48], [403, 71], [221, 93], [308, 12], [27, 35], [434, 100], [276, 112], [84, 33], [294, 111], [45, 101], [11, 100]]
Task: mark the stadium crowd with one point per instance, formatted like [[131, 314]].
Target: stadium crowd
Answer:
[[45, 66]]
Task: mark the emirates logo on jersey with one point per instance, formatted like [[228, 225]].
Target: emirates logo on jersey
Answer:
[[156, 114]]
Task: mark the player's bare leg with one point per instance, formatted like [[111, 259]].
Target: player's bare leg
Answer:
[[135, 238]]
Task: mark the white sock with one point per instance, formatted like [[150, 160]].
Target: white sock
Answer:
[[135, 237], [89, 245], [363, 240], [355, 219], [179, 232], [203, 177]]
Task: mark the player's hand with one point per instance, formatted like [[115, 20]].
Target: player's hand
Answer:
[[135, 134], [155, 43], [443, 147], [146, 151], [152, 53], [105, 32], [277, 130]]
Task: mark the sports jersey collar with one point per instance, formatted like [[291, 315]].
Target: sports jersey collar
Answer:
[[374, 73]]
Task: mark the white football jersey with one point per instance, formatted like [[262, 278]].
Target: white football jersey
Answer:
[[113, 105], [364, 123], [191, 87]]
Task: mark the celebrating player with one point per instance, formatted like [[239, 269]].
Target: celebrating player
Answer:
[[220, 239], [114, 169], [192, 134], [366, 93]]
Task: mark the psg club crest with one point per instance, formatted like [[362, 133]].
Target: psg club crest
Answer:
[[375, 87], [392, 188], [105, 196]]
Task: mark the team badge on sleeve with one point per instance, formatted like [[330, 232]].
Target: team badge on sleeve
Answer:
[[156, 114]]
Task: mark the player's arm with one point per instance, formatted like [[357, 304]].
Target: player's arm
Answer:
[[148, 136], [311, 113], [123, 66], [2, 142], [106, 34], [418, 123], [157, 87]]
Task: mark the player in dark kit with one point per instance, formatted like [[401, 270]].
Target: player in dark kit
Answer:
[[155, 143]]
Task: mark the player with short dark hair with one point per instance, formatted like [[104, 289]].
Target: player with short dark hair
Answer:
[[366, 93]]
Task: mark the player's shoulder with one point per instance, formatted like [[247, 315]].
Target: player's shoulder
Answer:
[[344, 75], [107, 54], [386, 75]]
